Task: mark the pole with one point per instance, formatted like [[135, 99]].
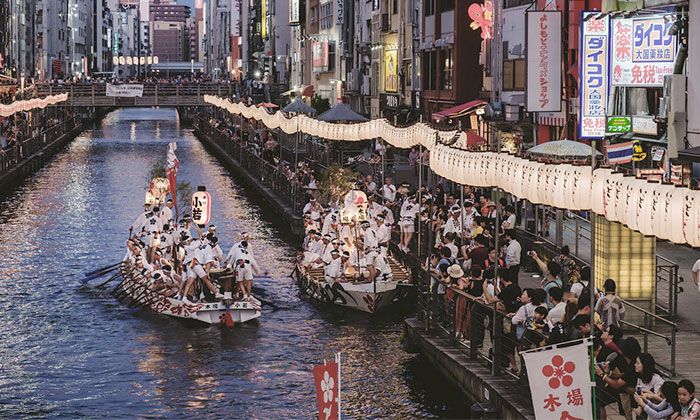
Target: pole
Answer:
[[337, 357], [420, 195], [498, 218], [591, 281]]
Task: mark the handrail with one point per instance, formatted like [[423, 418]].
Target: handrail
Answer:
[[644, 311], [647, 331]]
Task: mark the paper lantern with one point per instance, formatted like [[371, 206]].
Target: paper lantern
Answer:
[[674, 214], [691, 218], [632, 210], [644, 205], [661, 199]]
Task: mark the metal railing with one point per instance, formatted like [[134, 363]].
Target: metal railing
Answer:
[[667, 287], [23, 148]]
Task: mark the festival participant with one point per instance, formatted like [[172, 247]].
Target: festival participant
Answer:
[[453, 224], [382, 268], [383, 234], [202, 262], [216, 249], [166, 214], [314, 209], [388, 192], [166, 240], [409, 211], [139, 224], [245, 265]]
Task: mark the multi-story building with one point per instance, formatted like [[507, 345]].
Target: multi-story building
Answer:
[[80, 32], [21, 60], [52, 39], [102, 36], [169, 41], [5, 38]]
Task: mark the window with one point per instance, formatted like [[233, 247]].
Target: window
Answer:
[[395, 6], [429, 70], [447, 5], [331, 55], [314, 14], [326, 15], [429, 7], [446, 69], [375, 79]]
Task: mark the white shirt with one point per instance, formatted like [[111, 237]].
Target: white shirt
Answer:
[[335, 269], [371, 186], [370, 239], [513, 253], [389, 192], [140, 223], [166, 216], [509, 223], [454, 250], [383, 234], [453, 226], [409, 210], [556, 314]]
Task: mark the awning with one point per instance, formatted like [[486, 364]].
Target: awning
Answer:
[[458, 111], [308, 91], [690, 155], [633, 136]]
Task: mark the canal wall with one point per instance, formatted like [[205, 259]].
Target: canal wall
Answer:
[[266, 193], [473, 377]]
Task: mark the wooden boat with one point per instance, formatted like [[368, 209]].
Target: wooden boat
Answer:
[[364, 296], [136, 287]]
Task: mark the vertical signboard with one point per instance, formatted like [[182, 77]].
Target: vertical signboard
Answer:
[[293, 12], [390, 72], [543, 61], [263, 19], [340, 11], [236, 18], [642, 51], [593, 73], [319, 58]]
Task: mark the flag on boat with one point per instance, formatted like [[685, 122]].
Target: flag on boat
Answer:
[[560, 382], [620, 153], [171, 170], [327, 378]]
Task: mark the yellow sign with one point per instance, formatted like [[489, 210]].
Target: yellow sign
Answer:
[[639, 153], [263, 25], [390, 71]]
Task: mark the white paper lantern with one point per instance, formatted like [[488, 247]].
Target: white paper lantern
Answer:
[[674, 214]]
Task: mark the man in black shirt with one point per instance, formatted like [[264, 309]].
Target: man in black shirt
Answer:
[[618, 379], [509, 300]]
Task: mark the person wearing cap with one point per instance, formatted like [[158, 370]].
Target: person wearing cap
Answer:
[[166, 214]]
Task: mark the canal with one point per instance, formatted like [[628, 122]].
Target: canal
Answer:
[[72, 351]]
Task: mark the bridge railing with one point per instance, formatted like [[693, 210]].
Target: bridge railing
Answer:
[[12, 156], [95, 94]]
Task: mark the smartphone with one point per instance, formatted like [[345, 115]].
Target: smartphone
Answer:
[[639, 390]]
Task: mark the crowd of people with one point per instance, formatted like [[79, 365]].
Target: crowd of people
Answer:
[[179, 264]]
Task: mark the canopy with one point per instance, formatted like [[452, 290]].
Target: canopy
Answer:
[[469, 139], [563, 148], [267, 105], [308, 91], [341, 113], [297, 106], [458, 111]]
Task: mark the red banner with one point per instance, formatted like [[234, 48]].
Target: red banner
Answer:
[[327, 378], [171, 169]]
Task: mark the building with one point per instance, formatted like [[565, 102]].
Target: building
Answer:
[[22, 51], [168, 12], [5, 38], [52, 39], [102, 35], [80, 35], [169, 41]]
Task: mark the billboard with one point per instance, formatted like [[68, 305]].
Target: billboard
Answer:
[[642, 51], [543, 41], [293, 12], [319, 58], [391, 78], [236, 18], [593, 72]]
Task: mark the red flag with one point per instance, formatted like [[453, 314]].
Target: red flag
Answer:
[[171, 170], [327, 378]]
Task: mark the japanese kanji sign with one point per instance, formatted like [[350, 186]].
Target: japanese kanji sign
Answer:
[[544, 64], [201, 207], [642, 51], [593, 62], [327, 378], [560, 383]]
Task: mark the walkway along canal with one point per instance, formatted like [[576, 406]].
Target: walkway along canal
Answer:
[[70, 351]]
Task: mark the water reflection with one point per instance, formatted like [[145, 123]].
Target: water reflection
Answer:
[[71, 351]]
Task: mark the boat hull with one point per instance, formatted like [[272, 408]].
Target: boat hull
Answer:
[[207, 312]]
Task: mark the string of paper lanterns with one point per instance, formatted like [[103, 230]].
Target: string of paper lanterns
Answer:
[[665, 211], [8, 109]]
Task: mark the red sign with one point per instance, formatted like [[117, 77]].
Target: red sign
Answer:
[[327, 378], [319, 59]]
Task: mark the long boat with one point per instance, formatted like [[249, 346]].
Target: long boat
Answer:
[[368, 297], [137, 288]]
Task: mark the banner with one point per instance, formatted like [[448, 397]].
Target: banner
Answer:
[[560, 382], [319, 57], [593, 69], [543, 42], [327, 379], [236, 18], [390, 71], [201, 207], [293, 12], [124, 91], [643, 51], [171, 167]]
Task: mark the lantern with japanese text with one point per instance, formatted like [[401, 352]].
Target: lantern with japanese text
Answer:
[[201, 206]]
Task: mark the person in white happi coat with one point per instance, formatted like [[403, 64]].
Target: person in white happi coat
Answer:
[[383, 234], [314, 209], [409, 211], [137, 228], [216, 249], [202, 262], [335, 269], [241, 258], [371, 248], [453, 223], [166, 214], [383, 268]]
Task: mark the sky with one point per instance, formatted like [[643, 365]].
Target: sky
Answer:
[[187, 3]]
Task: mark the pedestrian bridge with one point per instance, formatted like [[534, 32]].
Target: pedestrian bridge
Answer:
[[154, 94]]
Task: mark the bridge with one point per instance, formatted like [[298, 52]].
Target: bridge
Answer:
[[154, 94]]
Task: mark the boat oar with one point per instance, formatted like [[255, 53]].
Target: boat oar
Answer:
[[110, 279], [88, 274], [99, 274]]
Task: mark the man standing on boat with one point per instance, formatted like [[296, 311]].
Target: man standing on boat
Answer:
[[200, 266], [241, 258], [166, 215], [140, 223]]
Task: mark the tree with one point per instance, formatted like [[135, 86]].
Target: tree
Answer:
[[320, 104], [336, 182]]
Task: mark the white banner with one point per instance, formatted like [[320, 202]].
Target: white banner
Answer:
[[560, 382], [543, 61], [293, 12], [642, 51], [124, 91]]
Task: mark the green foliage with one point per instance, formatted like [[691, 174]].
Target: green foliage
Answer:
[[320, 104], [184, 197], [157, 171], [335, 184]]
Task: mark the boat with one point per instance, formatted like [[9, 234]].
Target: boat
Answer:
[[137, 288], [370, 297]]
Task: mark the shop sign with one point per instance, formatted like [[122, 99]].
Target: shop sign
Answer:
[[390, 71], [389, 101], [543, 90], [643, 50], [638, 151], [320, 56], [617, 125], [594, 76], [645, 125], [293, 12], [657, 153]]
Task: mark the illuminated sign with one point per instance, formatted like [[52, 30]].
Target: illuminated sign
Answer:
[[642, 51], [617, 125], [391, 77], [543, 41], [593, 62], [482, 17]]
